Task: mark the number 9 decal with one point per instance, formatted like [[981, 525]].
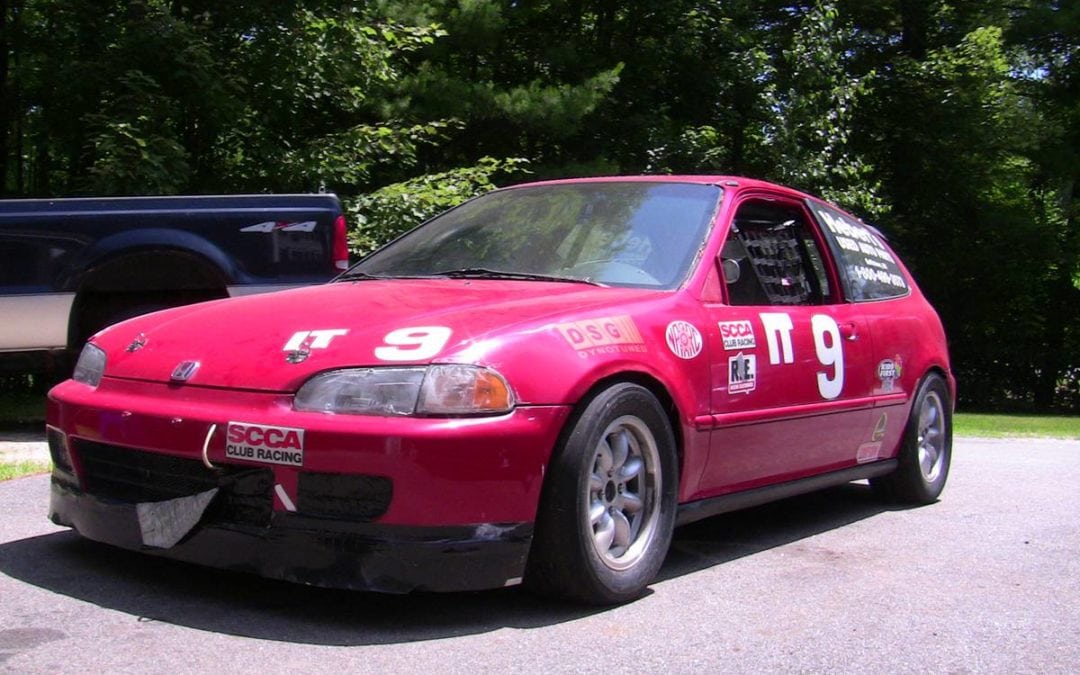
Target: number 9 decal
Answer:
[[413, 344], [830, 352]]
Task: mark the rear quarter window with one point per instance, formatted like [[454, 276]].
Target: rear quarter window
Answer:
[[868, 268]]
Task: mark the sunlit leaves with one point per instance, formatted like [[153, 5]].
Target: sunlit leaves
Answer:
[[382, 215]]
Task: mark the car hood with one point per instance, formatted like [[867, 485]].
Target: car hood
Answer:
[[275, 341]]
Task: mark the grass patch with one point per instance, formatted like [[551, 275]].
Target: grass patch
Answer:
[[25, 468], [1006, 426]]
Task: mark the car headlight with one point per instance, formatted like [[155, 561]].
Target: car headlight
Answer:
[[449, 389], [90, 366]]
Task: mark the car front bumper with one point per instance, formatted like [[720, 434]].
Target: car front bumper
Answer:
[[390, 505], [314, 551]]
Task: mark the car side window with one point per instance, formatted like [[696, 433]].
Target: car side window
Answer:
[[771, 257], [867, 266]]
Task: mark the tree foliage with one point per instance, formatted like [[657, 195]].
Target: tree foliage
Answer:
[[955, 125], [392, 210]]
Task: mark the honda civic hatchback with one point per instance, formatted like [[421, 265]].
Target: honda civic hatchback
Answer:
[[535, 387]]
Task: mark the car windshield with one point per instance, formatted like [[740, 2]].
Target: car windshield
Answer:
[[638, 234]]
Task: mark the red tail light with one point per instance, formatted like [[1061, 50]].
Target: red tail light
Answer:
[[341, 246]]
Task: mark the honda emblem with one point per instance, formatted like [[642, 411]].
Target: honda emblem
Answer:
[[184, 371]]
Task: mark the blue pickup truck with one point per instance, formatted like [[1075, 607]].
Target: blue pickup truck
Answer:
[[69, 267]]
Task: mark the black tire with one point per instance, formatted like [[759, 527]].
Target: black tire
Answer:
[[130, 312], [926, 449], [608, 508]]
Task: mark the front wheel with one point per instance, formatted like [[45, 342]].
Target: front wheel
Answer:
[[926, 449], [608, 508]]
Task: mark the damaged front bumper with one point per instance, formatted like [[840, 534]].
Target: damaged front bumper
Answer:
[[385, 504], [302, 549]]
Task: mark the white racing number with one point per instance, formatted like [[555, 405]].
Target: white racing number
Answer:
[[413, 344], [827, 343], [830, 352]]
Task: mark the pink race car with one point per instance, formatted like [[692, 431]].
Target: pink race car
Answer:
[[536, 386]]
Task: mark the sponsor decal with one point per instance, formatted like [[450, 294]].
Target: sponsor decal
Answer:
[[866, 258], [879, 428], [604, 335], [261, 443], [274, 225], [742, 373], [889, 371], [683, 339], [868, 452], [737, 335]]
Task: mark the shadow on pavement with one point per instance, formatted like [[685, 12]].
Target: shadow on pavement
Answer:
[[731, 536], [155, 589], [29, 432]]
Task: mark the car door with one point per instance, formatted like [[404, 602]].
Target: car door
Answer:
[[792, 362]]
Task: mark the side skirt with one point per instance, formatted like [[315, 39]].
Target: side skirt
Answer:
[[705, 508]]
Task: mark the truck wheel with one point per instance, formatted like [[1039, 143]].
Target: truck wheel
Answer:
[[125, 313], [926, 449], [608, 511], [100, 310]]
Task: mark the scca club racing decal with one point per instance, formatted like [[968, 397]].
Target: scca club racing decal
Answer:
[[683, 339], [261, 443], [737, 335], [605, 335]]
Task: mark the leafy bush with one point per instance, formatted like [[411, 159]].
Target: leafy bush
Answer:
[[382, 215]]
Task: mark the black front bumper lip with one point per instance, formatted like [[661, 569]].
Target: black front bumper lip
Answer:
[[318, 551]]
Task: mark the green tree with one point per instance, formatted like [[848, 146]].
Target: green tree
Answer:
[[161, 96], [952, 136], [1048, 69], [814, 100]]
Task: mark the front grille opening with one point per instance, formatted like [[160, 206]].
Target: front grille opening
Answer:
[[359, 498], [134, 476]]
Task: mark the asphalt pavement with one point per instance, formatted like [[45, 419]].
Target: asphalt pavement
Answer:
[[987, 580]]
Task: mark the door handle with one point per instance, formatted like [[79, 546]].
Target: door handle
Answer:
[[848, 331]]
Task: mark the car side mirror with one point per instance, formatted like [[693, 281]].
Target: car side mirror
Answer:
[[732, 271]]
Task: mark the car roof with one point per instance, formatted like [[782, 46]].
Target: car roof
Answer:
[[739, 183]]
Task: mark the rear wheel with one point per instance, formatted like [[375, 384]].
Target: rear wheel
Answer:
[[609, 503], [926, 449]]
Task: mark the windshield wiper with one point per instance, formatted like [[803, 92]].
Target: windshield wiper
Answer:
[[485, 273], [357, 274]]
